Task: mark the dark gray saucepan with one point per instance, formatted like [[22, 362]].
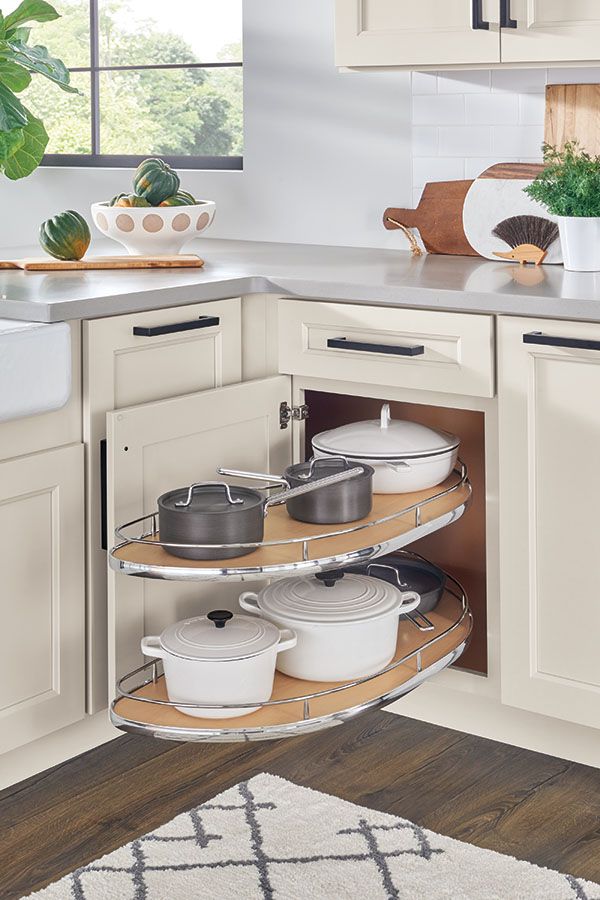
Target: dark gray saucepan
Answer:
[[215, 513], [347, 501]]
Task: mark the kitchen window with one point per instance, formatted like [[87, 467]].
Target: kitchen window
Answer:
[[157, 78]]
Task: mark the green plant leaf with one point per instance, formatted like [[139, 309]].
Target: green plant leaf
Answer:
[[2, 27], [37, 59], [10, 142], [15, 77], [30, 11], [28, 157], [570, 182], [12, 112]]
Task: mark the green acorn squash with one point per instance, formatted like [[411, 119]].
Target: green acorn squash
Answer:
[[181, 198], [155, 180], [65, 236], [128, 200]]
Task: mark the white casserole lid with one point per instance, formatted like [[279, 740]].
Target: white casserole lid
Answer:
[[220, 635], [332, 600], [385, 438]]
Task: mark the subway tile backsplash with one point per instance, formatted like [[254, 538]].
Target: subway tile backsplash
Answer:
[[464, 122]]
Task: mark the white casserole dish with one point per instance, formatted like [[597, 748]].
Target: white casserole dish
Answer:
[[219, 659], [406, 456], [346, 625]]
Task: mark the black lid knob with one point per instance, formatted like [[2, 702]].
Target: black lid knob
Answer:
[[220, 617], [330, 578]]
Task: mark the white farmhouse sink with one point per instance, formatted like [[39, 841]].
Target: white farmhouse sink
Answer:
[[35, 368]]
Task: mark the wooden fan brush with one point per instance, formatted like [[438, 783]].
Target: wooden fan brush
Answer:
[[528, 236]]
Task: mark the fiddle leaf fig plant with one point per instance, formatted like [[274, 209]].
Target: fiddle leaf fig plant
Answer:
[[23, 138]]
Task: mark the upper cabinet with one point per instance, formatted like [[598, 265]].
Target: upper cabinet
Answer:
[[427, 33], [465, 33]]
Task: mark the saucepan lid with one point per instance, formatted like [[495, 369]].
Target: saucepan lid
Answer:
[[220, 635], [210, 498]]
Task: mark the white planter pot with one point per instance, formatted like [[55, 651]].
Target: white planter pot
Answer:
[[219, 666], [338, 639], [580, 239]]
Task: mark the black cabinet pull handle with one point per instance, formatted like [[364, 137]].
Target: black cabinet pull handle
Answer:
[[342, 343], [548, 340], [478, 22], [158, 330], [505, 19]]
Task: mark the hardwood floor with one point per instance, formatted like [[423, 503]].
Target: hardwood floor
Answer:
[[521, 803]]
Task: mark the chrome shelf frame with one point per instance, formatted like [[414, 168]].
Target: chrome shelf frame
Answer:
[[308, 723], [147, 529]]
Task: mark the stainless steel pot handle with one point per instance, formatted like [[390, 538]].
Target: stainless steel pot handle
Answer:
[[284, 496], [306, 476], [276, 480], [201, 484]]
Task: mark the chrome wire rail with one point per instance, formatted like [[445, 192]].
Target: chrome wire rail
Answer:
[[148, 536], [122, 692]]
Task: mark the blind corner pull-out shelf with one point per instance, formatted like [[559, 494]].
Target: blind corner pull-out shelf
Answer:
[[294, 548], [298, 707]]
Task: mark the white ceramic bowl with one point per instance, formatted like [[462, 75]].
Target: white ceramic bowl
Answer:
[[153, 230]]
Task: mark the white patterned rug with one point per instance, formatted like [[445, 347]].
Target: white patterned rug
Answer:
[[269, 838]]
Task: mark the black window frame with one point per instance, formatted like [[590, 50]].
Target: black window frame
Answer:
[[95, 159]]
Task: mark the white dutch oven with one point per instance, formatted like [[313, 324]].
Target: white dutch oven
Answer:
[[406, 456], [219, 659], [346, 625]]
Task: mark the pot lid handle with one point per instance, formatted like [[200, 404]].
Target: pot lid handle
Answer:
[[316, 461], [202, 484], [220, 617], [329, 578], [386, 416]]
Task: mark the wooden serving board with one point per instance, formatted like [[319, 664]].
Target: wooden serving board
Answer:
[[496, 195], [47, 264], [438, 218], [573, 113]]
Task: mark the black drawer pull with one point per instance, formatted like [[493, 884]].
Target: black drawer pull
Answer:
[[158, 330], [342, 343], [478, 22], [536, 337], [505, 19]]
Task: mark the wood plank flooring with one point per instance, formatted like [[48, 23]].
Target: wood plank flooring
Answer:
[[521, 803]]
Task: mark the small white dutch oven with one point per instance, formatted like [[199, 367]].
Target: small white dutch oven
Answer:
[[219, 659], [346, 625], [406, 456]]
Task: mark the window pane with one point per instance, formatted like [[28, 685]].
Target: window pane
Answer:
[[174, 112], [140, 32], [68, 38], [66, 116]]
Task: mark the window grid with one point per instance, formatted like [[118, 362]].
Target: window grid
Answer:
[[96, 158]]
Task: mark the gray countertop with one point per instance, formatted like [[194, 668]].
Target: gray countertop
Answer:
[[233, 268]]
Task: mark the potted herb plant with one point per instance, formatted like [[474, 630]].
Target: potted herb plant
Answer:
[[569, 187], [23, 138]]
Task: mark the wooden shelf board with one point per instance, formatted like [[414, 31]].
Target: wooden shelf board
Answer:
[[279, 526], [409, 640]]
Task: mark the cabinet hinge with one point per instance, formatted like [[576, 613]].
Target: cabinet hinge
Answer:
[[287, 413]]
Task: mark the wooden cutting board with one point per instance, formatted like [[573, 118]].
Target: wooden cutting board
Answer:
[[496, 195], [438, 218], [47, 264], [573, 113]]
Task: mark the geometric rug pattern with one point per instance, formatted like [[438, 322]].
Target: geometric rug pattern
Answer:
[[268, 838]]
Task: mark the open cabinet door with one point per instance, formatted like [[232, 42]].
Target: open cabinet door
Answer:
[[159, 446]]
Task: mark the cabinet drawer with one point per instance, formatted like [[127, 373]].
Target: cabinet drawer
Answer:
[[422, 350]]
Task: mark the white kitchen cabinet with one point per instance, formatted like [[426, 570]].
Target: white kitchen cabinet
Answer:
[[552, 31], [42, 600], [137, 359], [468, 33], [429, 33], [549, 392], [160, 446]]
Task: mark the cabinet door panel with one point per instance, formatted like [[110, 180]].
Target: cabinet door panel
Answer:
[[429, 33], [550, 540], [552, 31], [42, 602], [160, 446], [123, 369]]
